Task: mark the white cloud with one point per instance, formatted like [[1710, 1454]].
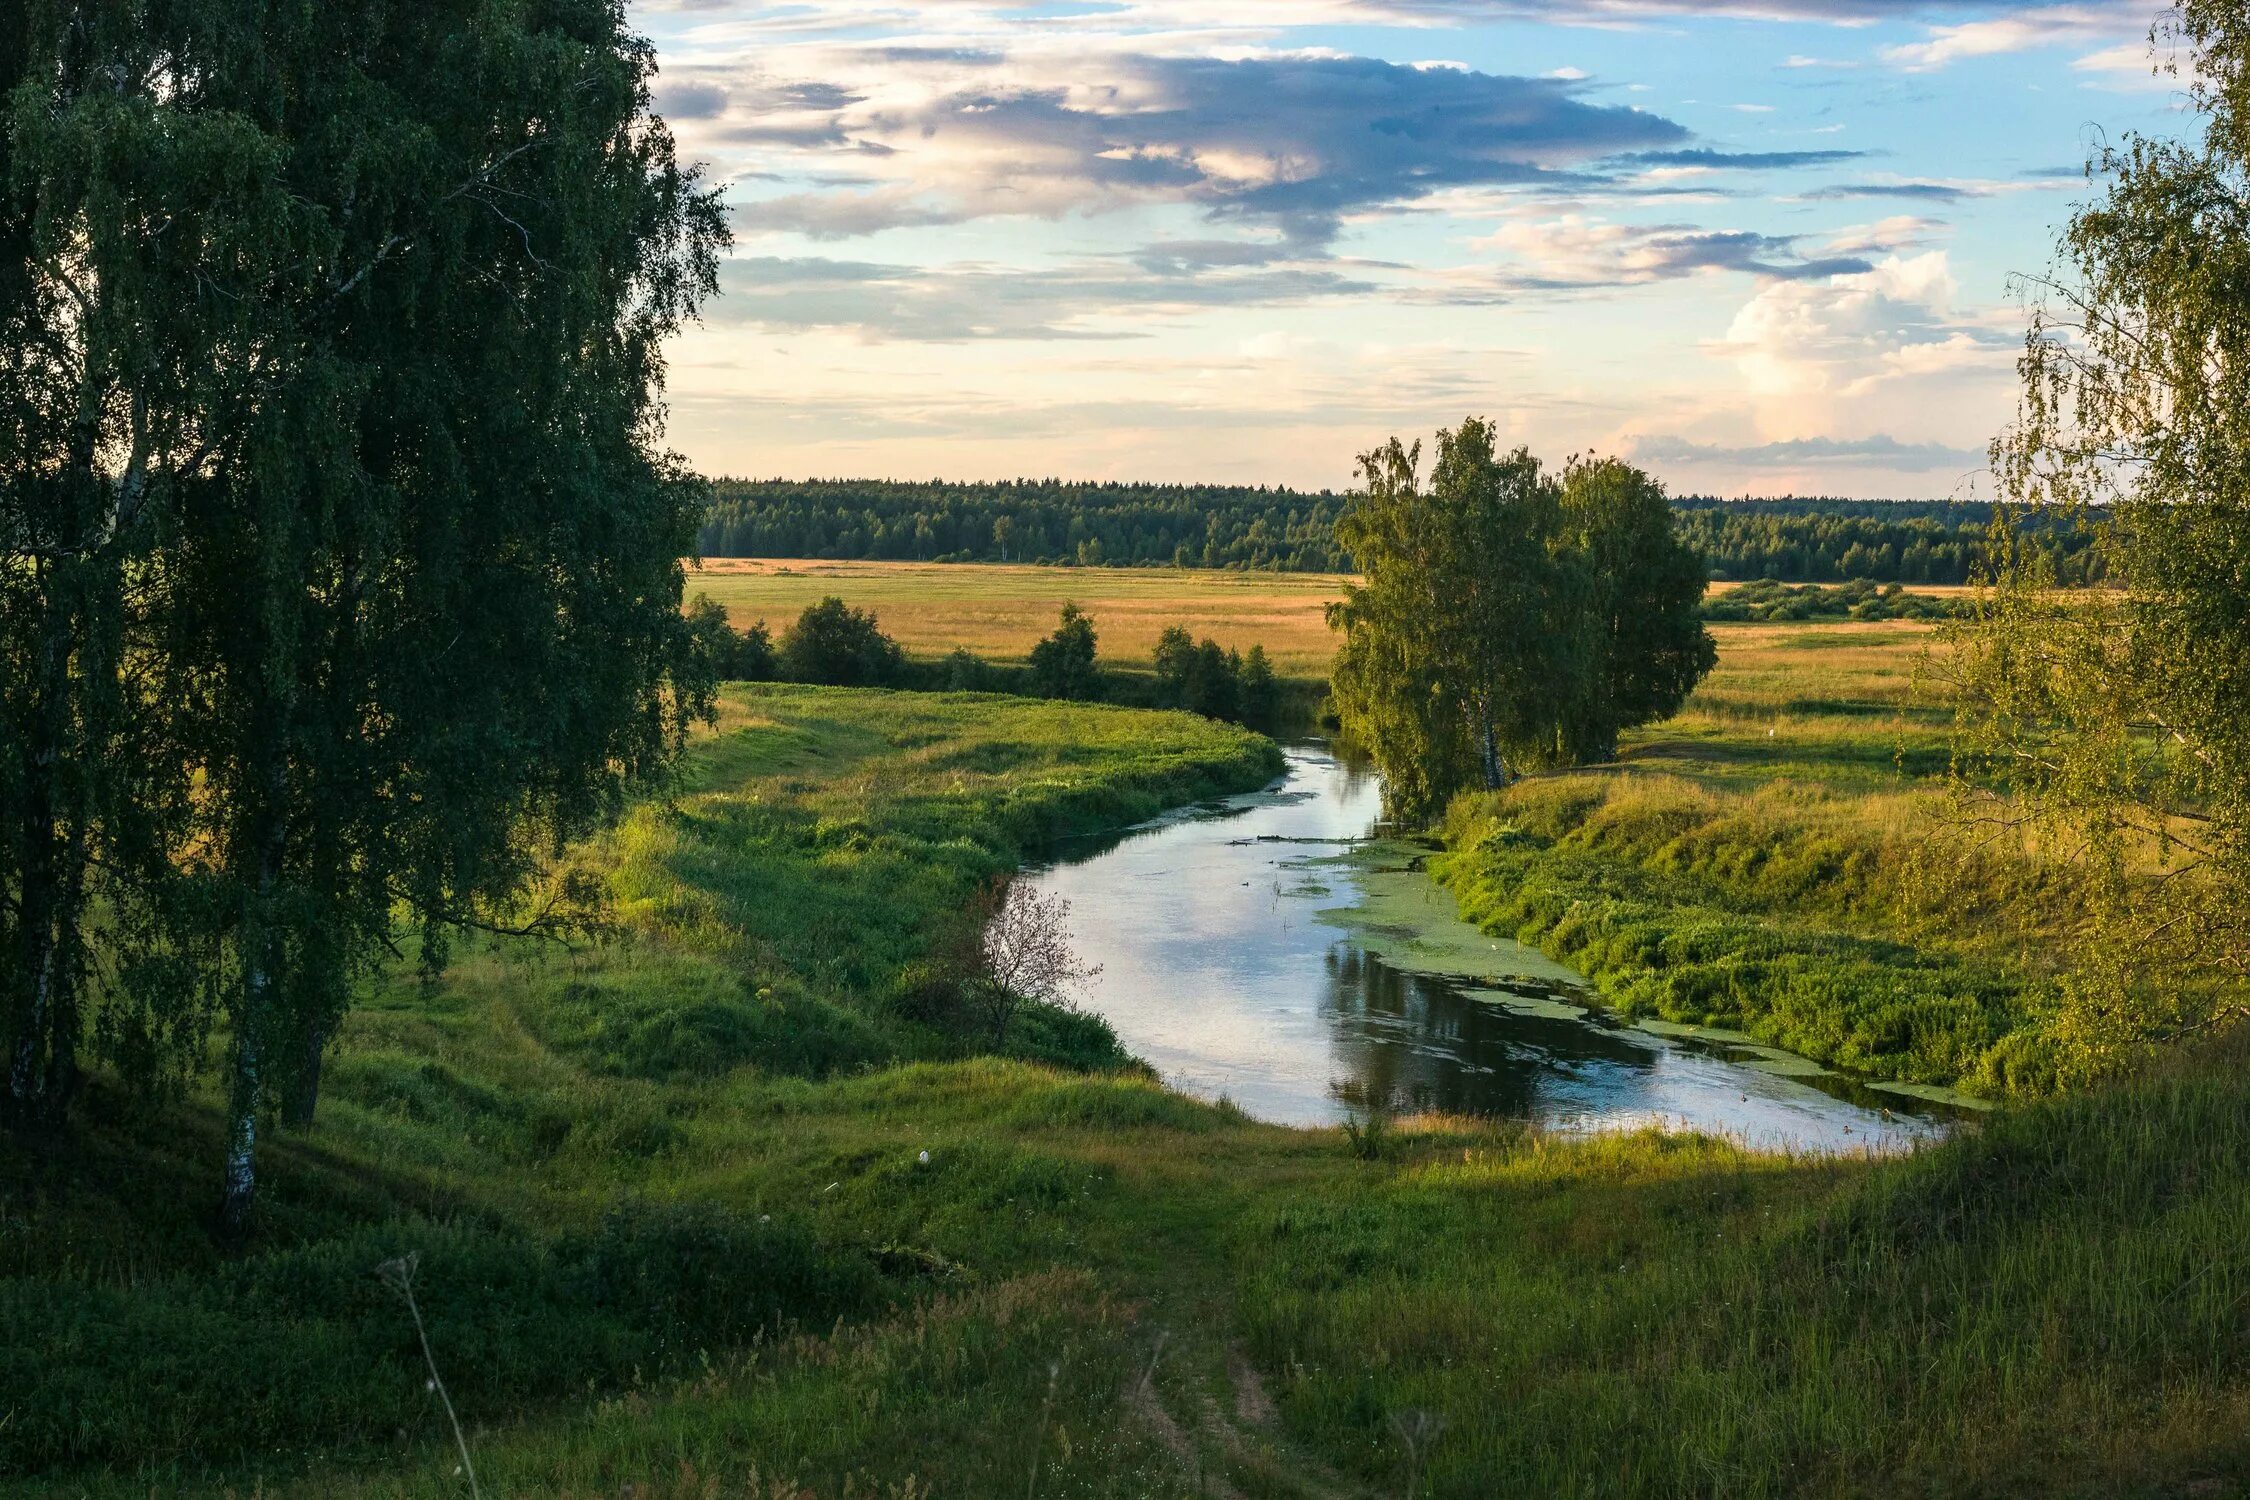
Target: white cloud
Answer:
[[1886, 236], [1577, 252], [1880, 350], [2019, 31], [2134, 66]]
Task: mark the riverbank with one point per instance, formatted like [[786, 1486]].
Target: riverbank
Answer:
[[1779, 859], [676, 1230], [1274, 950]]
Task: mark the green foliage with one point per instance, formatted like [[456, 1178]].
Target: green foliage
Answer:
[[2113, 729], [1222, 526], [833, 644], [1646, 652], [2043, 1304], [530, 1121], [1140, 525], [732, 655], [1670, 1316], [1205, 678], [1767, 603], [1673, 947], [963, 671], [1875, 541], [1505, 621], [1062, 665], [208, 1368], [367, 309]]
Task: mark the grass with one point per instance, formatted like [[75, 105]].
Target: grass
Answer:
[[676, 1231], [1778, 859]]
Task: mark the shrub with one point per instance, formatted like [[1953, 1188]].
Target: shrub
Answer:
[[1062, 665], [838, 646]]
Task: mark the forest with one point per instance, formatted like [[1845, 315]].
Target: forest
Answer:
[[1808, 540]]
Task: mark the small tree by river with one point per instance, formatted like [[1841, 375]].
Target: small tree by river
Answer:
[[1507, 620]]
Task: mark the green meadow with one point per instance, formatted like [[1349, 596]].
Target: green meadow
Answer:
[[674, 1230]]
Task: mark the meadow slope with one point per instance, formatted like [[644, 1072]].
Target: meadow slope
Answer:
[[675, 1230]]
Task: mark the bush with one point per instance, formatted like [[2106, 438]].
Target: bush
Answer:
[[734, 655], [1765, 600], [1205, 678], [838, 646], [1062, 665]]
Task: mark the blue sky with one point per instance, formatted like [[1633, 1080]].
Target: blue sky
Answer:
[[1761, 247]]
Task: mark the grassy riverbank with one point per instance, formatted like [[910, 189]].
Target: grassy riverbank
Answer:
[[1778, 859], [675, 1230]]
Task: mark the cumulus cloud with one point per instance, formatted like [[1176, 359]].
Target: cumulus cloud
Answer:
[[1816, 357]]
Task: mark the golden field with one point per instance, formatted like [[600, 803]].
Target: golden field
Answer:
[[998, 610]]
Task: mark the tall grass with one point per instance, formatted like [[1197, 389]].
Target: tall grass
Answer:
[[2048, 1305]]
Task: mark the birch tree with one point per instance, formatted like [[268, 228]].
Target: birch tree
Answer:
[[335, 472], [2112, 726]]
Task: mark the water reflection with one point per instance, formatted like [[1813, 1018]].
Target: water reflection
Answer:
[[1412, 1042], [1226, 965]]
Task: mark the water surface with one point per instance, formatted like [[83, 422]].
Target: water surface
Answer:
[[1271, 948]]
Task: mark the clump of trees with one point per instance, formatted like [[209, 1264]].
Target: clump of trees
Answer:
[[1508, 619], [745, 655], [834, 644], [2112, 727], [1205, 678], [339, 566]]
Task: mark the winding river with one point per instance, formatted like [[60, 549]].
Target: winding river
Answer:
[[1272, 949]]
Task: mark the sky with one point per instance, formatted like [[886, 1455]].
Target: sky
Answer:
[[1756, 246]]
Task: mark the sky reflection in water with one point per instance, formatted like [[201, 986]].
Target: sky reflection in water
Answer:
[[1220, 970]]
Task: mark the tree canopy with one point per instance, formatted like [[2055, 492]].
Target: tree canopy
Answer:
[[1062, 665], [342, 555], [2113, 726], [1507, 621], [835, 644], [1646, 652]]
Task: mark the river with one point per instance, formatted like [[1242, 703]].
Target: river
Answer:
[[1270, 949]]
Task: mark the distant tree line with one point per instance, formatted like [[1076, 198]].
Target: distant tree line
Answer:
[[835, 645], [1051, 521], [1028, 520], [1880, 541]]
